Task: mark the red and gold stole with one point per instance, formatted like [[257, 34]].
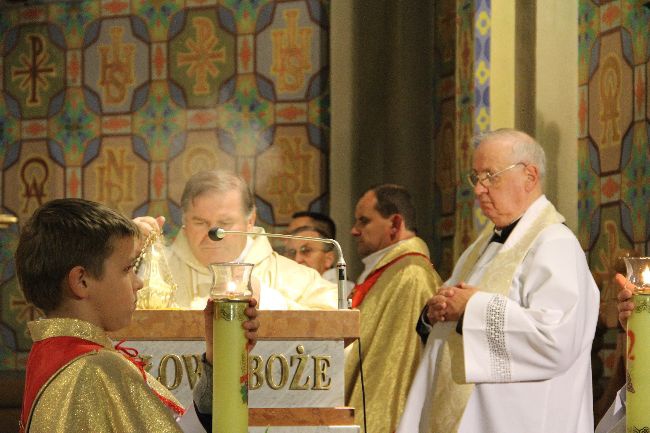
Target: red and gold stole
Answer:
[[360, 291], [50, 355]]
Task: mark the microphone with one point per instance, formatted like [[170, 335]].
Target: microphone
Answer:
[[217, 233]]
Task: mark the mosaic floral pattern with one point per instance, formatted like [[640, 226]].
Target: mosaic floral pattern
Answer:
[[74, 127], [635, 19], [157, 15], [482, 34], [588, 191], [73, 17], [9, 132], [635, 185], [247, 13], [319, 118], [246, 120], [159, 124], [588, 29]]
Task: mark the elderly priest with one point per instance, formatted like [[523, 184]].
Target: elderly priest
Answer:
[[509, 334]]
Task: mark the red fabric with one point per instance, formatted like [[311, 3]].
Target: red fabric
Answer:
[[46, 358], [361, 290], [50, 355], [132, 355]]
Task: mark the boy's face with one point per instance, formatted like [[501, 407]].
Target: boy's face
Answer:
[[113, 295]]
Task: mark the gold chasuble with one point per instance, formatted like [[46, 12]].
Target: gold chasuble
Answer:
[[391, 348], [451, 387], [100, 391]]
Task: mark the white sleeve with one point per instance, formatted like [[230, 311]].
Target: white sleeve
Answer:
[[546, 321]]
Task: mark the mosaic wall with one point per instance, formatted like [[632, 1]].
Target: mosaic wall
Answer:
[[613, 144], [481, 114], [121, 101], [445, 49], [462, 106]]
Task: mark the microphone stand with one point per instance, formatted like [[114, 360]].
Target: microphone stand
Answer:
[[217, 233]]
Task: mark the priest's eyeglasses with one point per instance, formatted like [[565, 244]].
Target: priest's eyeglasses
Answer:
[[487, 179]]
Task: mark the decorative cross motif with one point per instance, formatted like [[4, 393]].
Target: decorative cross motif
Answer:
[[203, 55], [35, 70]]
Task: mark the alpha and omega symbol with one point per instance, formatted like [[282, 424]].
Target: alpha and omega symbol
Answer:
[[34, 70], [33, 175], [610, 96], [117, 71]]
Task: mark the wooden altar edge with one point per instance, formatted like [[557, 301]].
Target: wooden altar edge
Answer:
[[300, 416], [154, 325]]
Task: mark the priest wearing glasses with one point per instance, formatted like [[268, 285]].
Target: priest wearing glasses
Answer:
[[508, 336]]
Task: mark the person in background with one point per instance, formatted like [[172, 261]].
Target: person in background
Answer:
[[317, 255], [397, 280], [321, 222]]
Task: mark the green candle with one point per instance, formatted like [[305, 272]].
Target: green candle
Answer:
[[230, 367], [638, 365]]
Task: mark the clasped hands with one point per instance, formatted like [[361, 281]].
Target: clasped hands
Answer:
[[449, 303]]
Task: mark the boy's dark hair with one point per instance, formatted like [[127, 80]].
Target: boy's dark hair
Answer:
[[322, 222], [395, 199], [60, 235]]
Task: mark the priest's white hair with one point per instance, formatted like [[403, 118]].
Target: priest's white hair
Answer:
[[524, 148]]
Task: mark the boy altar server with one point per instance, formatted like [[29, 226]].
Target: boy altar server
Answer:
[[75, 262]]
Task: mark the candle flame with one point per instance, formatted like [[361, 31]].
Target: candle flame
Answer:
[[645, 276], [231, 286]]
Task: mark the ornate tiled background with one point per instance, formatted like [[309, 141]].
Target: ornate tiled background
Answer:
[[613, 143], [445, 49], [614, 130], [458, 51], [121, 101]]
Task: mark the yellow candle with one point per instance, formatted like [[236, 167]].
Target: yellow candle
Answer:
[[638, 365], [230, 368]]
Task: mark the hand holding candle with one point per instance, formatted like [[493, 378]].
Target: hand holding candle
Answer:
[[625, 305], [232, 296], [250, 326], [638, 341]]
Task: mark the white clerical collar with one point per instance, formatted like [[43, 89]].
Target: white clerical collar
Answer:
[[245, 251], [371, 260]]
